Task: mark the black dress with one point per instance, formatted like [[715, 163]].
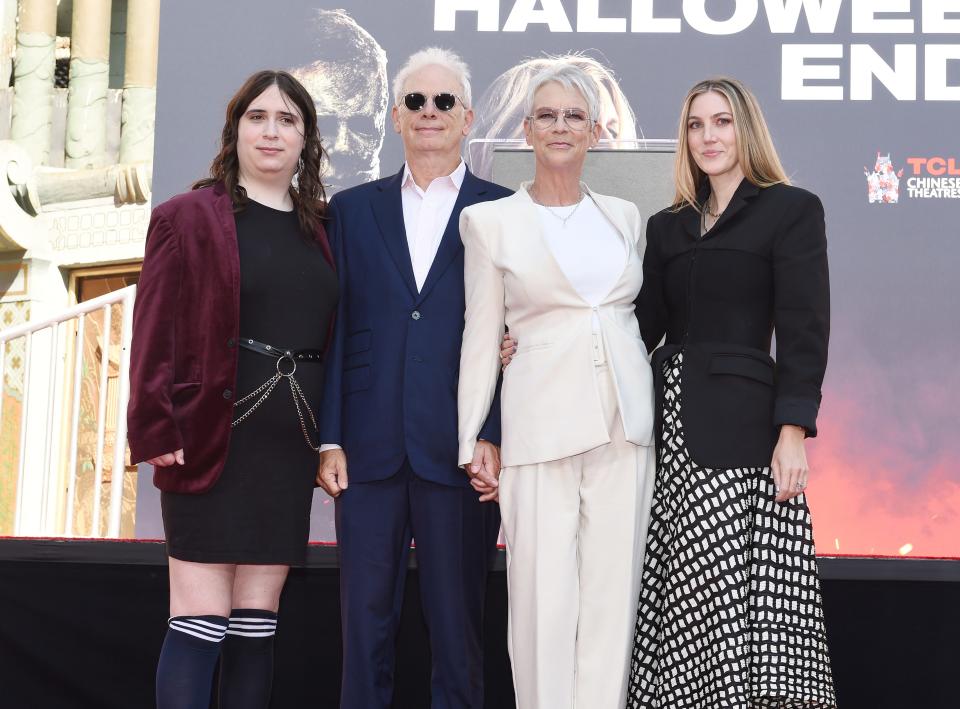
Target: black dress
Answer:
[[258, 512]]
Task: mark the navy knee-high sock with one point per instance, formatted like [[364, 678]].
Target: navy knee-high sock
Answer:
[[188, 660], [246, 662]]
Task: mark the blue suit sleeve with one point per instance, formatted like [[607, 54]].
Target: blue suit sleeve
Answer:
[[331, 407]]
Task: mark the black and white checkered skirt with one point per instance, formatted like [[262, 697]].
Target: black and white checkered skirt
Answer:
[[729, 613]]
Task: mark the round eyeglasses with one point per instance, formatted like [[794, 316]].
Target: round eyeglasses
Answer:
[[574, 118]]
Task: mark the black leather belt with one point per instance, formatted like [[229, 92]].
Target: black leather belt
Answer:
[[286, 359], [280, 352]]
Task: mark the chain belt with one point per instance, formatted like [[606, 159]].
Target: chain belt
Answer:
[[286, 359]]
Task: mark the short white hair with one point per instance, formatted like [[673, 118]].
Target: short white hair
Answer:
[[434, 56], [568, 76]]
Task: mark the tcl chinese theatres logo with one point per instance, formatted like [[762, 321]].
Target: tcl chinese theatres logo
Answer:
[[934, 178], [883, 184]]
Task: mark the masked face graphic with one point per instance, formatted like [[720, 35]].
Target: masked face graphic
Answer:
[[348, 84]]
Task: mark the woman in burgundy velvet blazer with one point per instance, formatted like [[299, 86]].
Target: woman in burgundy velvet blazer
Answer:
[[186, 326], [235, 507]]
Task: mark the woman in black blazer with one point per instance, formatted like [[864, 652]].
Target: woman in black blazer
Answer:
[[730, 612]]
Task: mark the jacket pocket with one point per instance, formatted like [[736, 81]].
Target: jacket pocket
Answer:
[[742, 365], [356, 379], [183, 391], [356, 351], [358, 342]]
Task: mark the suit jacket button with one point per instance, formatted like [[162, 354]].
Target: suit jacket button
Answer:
[[417, 358], [231, 342], [228, 394], [415, 315]]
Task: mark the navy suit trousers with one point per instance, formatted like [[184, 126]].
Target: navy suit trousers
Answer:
[[455, 541]]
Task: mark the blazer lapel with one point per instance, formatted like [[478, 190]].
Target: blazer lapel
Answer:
[[689, 216], [690, 220], [450, 244], [387, 209], [224, 207], [613, 217], [745, 190], [526, 220]]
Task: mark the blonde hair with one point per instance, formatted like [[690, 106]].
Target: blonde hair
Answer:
[[755, 151]]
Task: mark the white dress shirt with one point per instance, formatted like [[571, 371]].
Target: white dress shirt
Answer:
[[425, 216]]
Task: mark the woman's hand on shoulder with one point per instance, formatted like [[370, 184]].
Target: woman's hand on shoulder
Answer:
[[167, 459], [789, 466]]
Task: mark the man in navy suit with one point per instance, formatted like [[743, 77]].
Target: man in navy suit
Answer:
[[390, 407]]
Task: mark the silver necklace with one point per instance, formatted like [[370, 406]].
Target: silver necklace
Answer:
[[703, 218], [563, 219], [706, 208]]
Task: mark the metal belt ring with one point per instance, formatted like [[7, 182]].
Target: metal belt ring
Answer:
[[292, 361]]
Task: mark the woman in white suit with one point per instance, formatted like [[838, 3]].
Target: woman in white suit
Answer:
[[561, 267]]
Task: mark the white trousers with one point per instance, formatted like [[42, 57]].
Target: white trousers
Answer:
[[575, 531]]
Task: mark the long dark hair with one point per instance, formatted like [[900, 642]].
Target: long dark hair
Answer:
[[309, 199]]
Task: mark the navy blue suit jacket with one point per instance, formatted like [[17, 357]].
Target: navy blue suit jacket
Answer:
[[394, 362]]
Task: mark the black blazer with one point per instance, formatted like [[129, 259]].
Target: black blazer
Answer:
[[718, 299]]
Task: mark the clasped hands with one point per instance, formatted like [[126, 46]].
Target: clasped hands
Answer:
[[483, 470]]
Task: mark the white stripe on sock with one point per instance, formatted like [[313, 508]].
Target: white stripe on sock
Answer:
[[199, 631], [262, 621], [254, 626], [198, 635], [252, 633], [198, 621]]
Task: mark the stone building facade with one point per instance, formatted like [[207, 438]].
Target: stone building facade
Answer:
[[76, 149]]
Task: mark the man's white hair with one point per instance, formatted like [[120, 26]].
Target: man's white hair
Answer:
[[429, 57], [569, 77]]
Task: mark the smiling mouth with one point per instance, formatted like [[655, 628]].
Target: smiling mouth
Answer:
[[270, 150]]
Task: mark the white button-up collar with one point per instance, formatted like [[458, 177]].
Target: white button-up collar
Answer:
[[426, 214]]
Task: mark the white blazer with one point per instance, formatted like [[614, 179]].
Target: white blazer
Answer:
[[550, 400]]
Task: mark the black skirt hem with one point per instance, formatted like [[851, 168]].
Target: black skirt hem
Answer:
[[285, 557]]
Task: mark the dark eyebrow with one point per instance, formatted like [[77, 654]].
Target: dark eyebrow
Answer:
[[715, 115], [288, 114]]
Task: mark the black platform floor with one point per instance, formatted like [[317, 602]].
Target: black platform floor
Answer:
[[81, 632]]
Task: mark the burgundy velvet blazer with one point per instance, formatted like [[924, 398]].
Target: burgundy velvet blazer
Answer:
[[186, 321]]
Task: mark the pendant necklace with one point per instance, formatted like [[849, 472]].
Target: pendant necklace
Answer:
[[563, 219]]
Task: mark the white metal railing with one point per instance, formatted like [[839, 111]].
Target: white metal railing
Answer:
[[46, 492]]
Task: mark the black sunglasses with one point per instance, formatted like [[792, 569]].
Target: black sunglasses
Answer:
[[444, 102]]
